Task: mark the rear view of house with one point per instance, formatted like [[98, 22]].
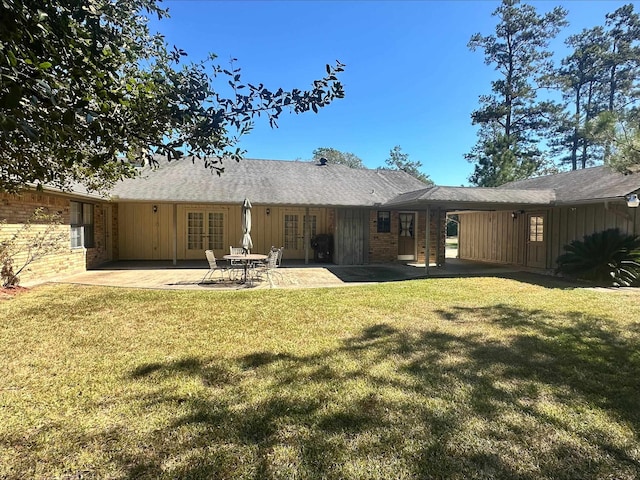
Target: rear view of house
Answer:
[[179, 210]]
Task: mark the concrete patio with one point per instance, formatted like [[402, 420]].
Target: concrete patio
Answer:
[[292, 274]]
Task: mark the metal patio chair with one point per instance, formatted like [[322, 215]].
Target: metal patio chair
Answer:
[[235, 265], [213, 267], [270, 265]]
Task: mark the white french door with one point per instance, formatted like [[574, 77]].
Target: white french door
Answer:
[[205, 231]]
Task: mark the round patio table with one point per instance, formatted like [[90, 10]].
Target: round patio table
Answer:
[[246, 259]]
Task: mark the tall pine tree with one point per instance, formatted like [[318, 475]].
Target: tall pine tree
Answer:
[[599, 80], [511, 118], [580, 78]]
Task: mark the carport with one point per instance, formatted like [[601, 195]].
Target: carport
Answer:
[[464, 199]]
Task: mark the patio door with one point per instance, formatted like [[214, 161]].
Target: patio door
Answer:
[[536, 240], [406, 236], [293, 234], [205, 231]]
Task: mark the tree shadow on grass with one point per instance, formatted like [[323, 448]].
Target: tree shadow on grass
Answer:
[[540, 396]]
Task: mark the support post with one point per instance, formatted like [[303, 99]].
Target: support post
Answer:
[[307, 240], [427, 240], [175, 234], [438, 237]]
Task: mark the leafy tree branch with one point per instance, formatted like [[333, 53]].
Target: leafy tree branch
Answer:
[[86, 89]]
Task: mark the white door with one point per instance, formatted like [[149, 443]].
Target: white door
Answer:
[[293, 233], [205, 231]]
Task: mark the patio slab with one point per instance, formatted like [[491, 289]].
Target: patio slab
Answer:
[[188, 275]]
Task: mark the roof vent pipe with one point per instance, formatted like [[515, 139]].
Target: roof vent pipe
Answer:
[[323, 161]]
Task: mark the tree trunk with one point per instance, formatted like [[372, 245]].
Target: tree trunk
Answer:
[[576, 132]]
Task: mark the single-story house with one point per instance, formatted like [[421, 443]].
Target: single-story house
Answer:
[[178, 210]]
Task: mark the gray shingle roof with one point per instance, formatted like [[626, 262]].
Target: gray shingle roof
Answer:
[[582, 185], [272, 182], [459, 196]]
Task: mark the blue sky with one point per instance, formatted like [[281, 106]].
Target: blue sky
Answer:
[[410, 79]]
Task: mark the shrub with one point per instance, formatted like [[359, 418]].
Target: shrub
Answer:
[[609, 257]]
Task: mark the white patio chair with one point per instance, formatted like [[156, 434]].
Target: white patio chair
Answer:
[[268, 268], [213, 266], [235, 265]]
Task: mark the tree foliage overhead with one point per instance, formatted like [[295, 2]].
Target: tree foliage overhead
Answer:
[[512, 118], [398, 160], [84, 83], [331, 155]]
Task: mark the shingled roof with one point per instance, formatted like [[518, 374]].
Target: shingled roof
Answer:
[[473, 197], [580, 186], [277, 182], [270, 182]]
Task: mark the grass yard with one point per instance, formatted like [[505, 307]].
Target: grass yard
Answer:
[[450, 378]]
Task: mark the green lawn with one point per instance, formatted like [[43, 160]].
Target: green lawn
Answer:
[[450, 378]]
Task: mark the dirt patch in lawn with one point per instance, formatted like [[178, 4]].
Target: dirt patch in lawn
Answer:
[[7, 293]]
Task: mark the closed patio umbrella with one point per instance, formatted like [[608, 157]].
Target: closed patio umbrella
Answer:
[[247, 243]]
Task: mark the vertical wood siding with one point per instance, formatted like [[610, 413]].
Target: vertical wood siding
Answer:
[[145, 235], [573, 223], [351, 237], [491, 237], [498, 238]]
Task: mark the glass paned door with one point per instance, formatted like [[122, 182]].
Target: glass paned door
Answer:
[[291, 232], [195, 231], [205, 231], [293, 235], [536, 245], [406, 236]]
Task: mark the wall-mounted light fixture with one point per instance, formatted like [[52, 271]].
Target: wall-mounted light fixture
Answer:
[[155, 209], [268, 211], [633, 201], [515, 213]]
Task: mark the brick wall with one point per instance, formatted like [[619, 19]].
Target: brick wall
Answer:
[[15, 211], [383, 247], [437, 236]]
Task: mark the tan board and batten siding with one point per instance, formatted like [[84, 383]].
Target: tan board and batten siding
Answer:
[[497, 237], [148, 235]]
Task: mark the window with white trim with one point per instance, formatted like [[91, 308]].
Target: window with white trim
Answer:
[[81, 220], [384, 222], [536, 228]]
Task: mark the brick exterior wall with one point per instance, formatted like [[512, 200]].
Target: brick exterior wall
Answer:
[[383, 247], [437, 236], [15, 211]]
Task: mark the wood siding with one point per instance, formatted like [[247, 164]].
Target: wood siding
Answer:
[[147, 235], [491, 237], [573, 223], [497, 237], [352, 237]]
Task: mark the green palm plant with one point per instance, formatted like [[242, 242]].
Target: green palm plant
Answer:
[[609, 257]]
